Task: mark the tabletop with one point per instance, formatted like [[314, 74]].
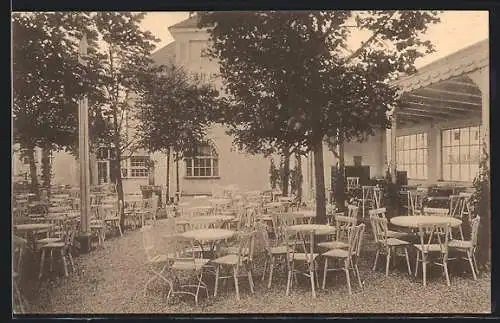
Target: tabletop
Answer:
[[206, 219], [318, 228], [275, 204], [413, 221], [208, 234], [220, 201], [304, 213], [32, 226]]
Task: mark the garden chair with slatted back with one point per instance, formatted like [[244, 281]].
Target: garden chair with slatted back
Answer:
[[433, 211], [342, 226], [427, 247], [184, 266], [157, 263], [302, 254], [455, 206], [274, 250], [349, 256], [61, 248], [111, 215], [19, 245], [466, 205], [468, 246], [240, 263], [381, 213], [386, 245], [97, 225]]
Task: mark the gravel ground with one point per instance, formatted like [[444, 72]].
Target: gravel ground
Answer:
[[111, 280]]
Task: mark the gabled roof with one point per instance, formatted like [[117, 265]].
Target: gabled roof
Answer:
[[463, 61], [191, 22], [164, 55]]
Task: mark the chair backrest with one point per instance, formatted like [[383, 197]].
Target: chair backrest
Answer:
[[352, 211], [197, 223], [352, 182], [475, 230], [342, 225], [436, 211], [380, 212], [455, 205], [355, 238], [246, 242], [442, 232], [379, 228], [377, 191]]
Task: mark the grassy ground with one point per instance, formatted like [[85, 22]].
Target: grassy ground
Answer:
[[111, 280]]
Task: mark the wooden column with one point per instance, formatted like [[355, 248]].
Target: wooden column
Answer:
[[83, 136], [392, 162]]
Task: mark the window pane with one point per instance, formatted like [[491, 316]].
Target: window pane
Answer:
[[406, 142], [189, 171], [399, 143], [413, 142], [454, 155], [447, 172], [464, 136], [196, 172], [474, 135], [215, 169], [455, 172], [464, 172], [446, 138], [412, 172], [446, 155], [420, 171], [413, 157], [425, 171], [425, 139], [474, 154], [455, 137], [406, 158]]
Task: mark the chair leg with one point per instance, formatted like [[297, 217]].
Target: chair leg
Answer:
[[324, 273], [469, 257], [475, 263], [42, 263], [376, 259], [424, 268], [311, 276], [445, 267], [357, 274], [416, 263], [236, 285], [217, 272], [51, 264], [387, 261], [65, 263], [70, 256], [348, 278], [407, 261], [120, 229], [271, 269], [264, 271], [250, 280], [288, 282]]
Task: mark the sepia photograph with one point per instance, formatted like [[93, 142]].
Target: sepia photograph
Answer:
[[234, 162]]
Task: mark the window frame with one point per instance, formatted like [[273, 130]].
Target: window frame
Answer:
[[134, 170], [408, 146], [461, 165], [202, 166]]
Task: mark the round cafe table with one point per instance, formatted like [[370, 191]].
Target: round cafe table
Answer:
[[414, 221], [208, 219], [202, 236], [319, 229]]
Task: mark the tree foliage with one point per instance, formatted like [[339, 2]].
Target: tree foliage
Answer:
[[294, 76], [175, 110]]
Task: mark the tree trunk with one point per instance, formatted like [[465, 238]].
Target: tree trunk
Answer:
[[167, 193], [116, 165], [285, 179], [151, 176], [177, 181], [30, 153], [299, 178], [46, 168], [319, 175], [340, 183]]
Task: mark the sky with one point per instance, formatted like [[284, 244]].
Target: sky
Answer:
[[457, 29]]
